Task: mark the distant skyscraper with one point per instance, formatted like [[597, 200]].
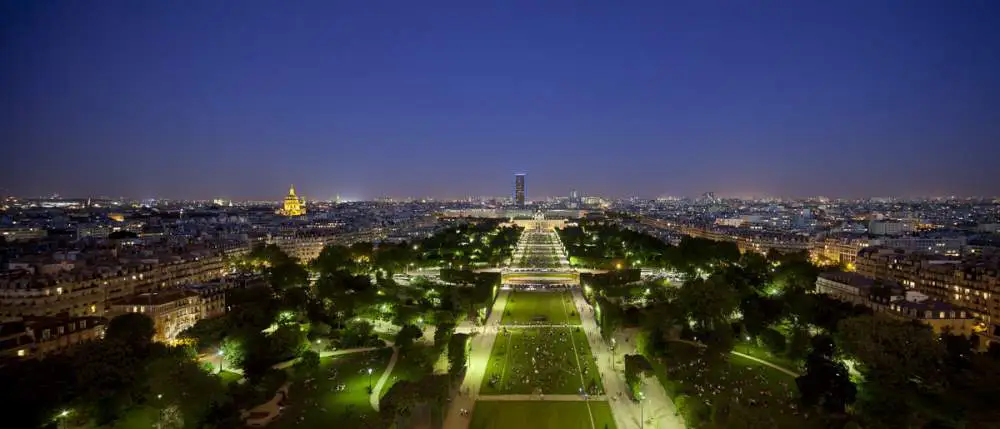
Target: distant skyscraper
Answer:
[[519, 189], [573, 196]]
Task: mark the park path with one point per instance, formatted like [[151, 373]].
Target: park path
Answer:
[[215, 359], [657, 409], [560, 398], [764, 362], [753, 358], [374, 397], [479, 357]]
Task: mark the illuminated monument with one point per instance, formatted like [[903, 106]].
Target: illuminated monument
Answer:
[[293, 205]]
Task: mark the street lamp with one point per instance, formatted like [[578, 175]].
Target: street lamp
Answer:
[[642, 417], [369, 379], [221, 360]]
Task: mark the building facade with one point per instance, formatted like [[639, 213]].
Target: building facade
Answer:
[[171, 311], [519, 190], [971, 282], [37, 337], [893, 300]]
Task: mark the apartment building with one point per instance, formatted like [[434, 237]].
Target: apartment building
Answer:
[[308, 244], [87, 289], [838, 249], [751, 241], [172, 311], [893, 300], [214, 296], [971, 282], [37, 337]]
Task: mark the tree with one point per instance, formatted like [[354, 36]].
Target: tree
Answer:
[[901, 363], [773, 340], [233, 352], [798, 344], [177, 382], [457, 354], [825, 382], [133, 329], [636, 367], [708, 302], [356, 334], [443, 332], [309, 361], [407, 335], [287, 342], [891, 351]]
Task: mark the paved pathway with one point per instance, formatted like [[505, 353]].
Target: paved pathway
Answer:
[[657, 410], [762, 361], [538, 326], [560, 398], [374, 397], [479, 357], [214, 359], [755, 359]]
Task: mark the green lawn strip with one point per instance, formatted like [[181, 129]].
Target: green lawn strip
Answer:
[[682, 372], [317, 404], [511, 371], [588, 364], [541, 415], [526, 308], [229, 377]]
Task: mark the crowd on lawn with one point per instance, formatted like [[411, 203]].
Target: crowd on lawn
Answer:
[[550, 352], [750, 386]]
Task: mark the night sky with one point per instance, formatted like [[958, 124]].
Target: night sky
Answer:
[[239, 99]]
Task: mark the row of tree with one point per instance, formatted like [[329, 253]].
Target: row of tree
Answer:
[[904, 375]]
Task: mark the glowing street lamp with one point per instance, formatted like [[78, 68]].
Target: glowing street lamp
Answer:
[[369, 379], [221, 360]]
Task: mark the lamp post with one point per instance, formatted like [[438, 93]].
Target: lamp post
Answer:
[[369, 379], [642, 418], [221, 360]]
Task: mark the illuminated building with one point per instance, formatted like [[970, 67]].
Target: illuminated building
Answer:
[[519, 189], [172, 311], [293, 205]]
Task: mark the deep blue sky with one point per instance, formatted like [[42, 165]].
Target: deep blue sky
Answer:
[[366, 98]]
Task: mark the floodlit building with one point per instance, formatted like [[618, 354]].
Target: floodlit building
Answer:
[[172, 311], [293, 204]]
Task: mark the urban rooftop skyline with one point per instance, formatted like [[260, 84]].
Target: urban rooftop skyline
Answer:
[[447, 99]]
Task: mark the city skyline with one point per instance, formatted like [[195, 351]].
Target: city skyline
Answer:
[[196, 102]]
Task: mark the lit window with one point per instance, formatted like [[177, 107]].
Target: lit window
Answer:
[[21, 353]]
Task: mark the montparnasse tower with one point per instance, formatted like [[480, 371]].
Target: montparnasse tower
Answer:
[[293, 204]]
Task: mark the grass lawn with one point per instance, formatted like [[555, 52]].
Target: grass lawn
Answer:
[[767, 393], [541, 415], [229, 377], [545, 308], [555, 370], [317, 403], [412, 365]]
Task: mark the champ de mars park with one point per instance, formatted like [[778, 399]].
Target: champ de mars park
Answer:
[[507, 324]]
